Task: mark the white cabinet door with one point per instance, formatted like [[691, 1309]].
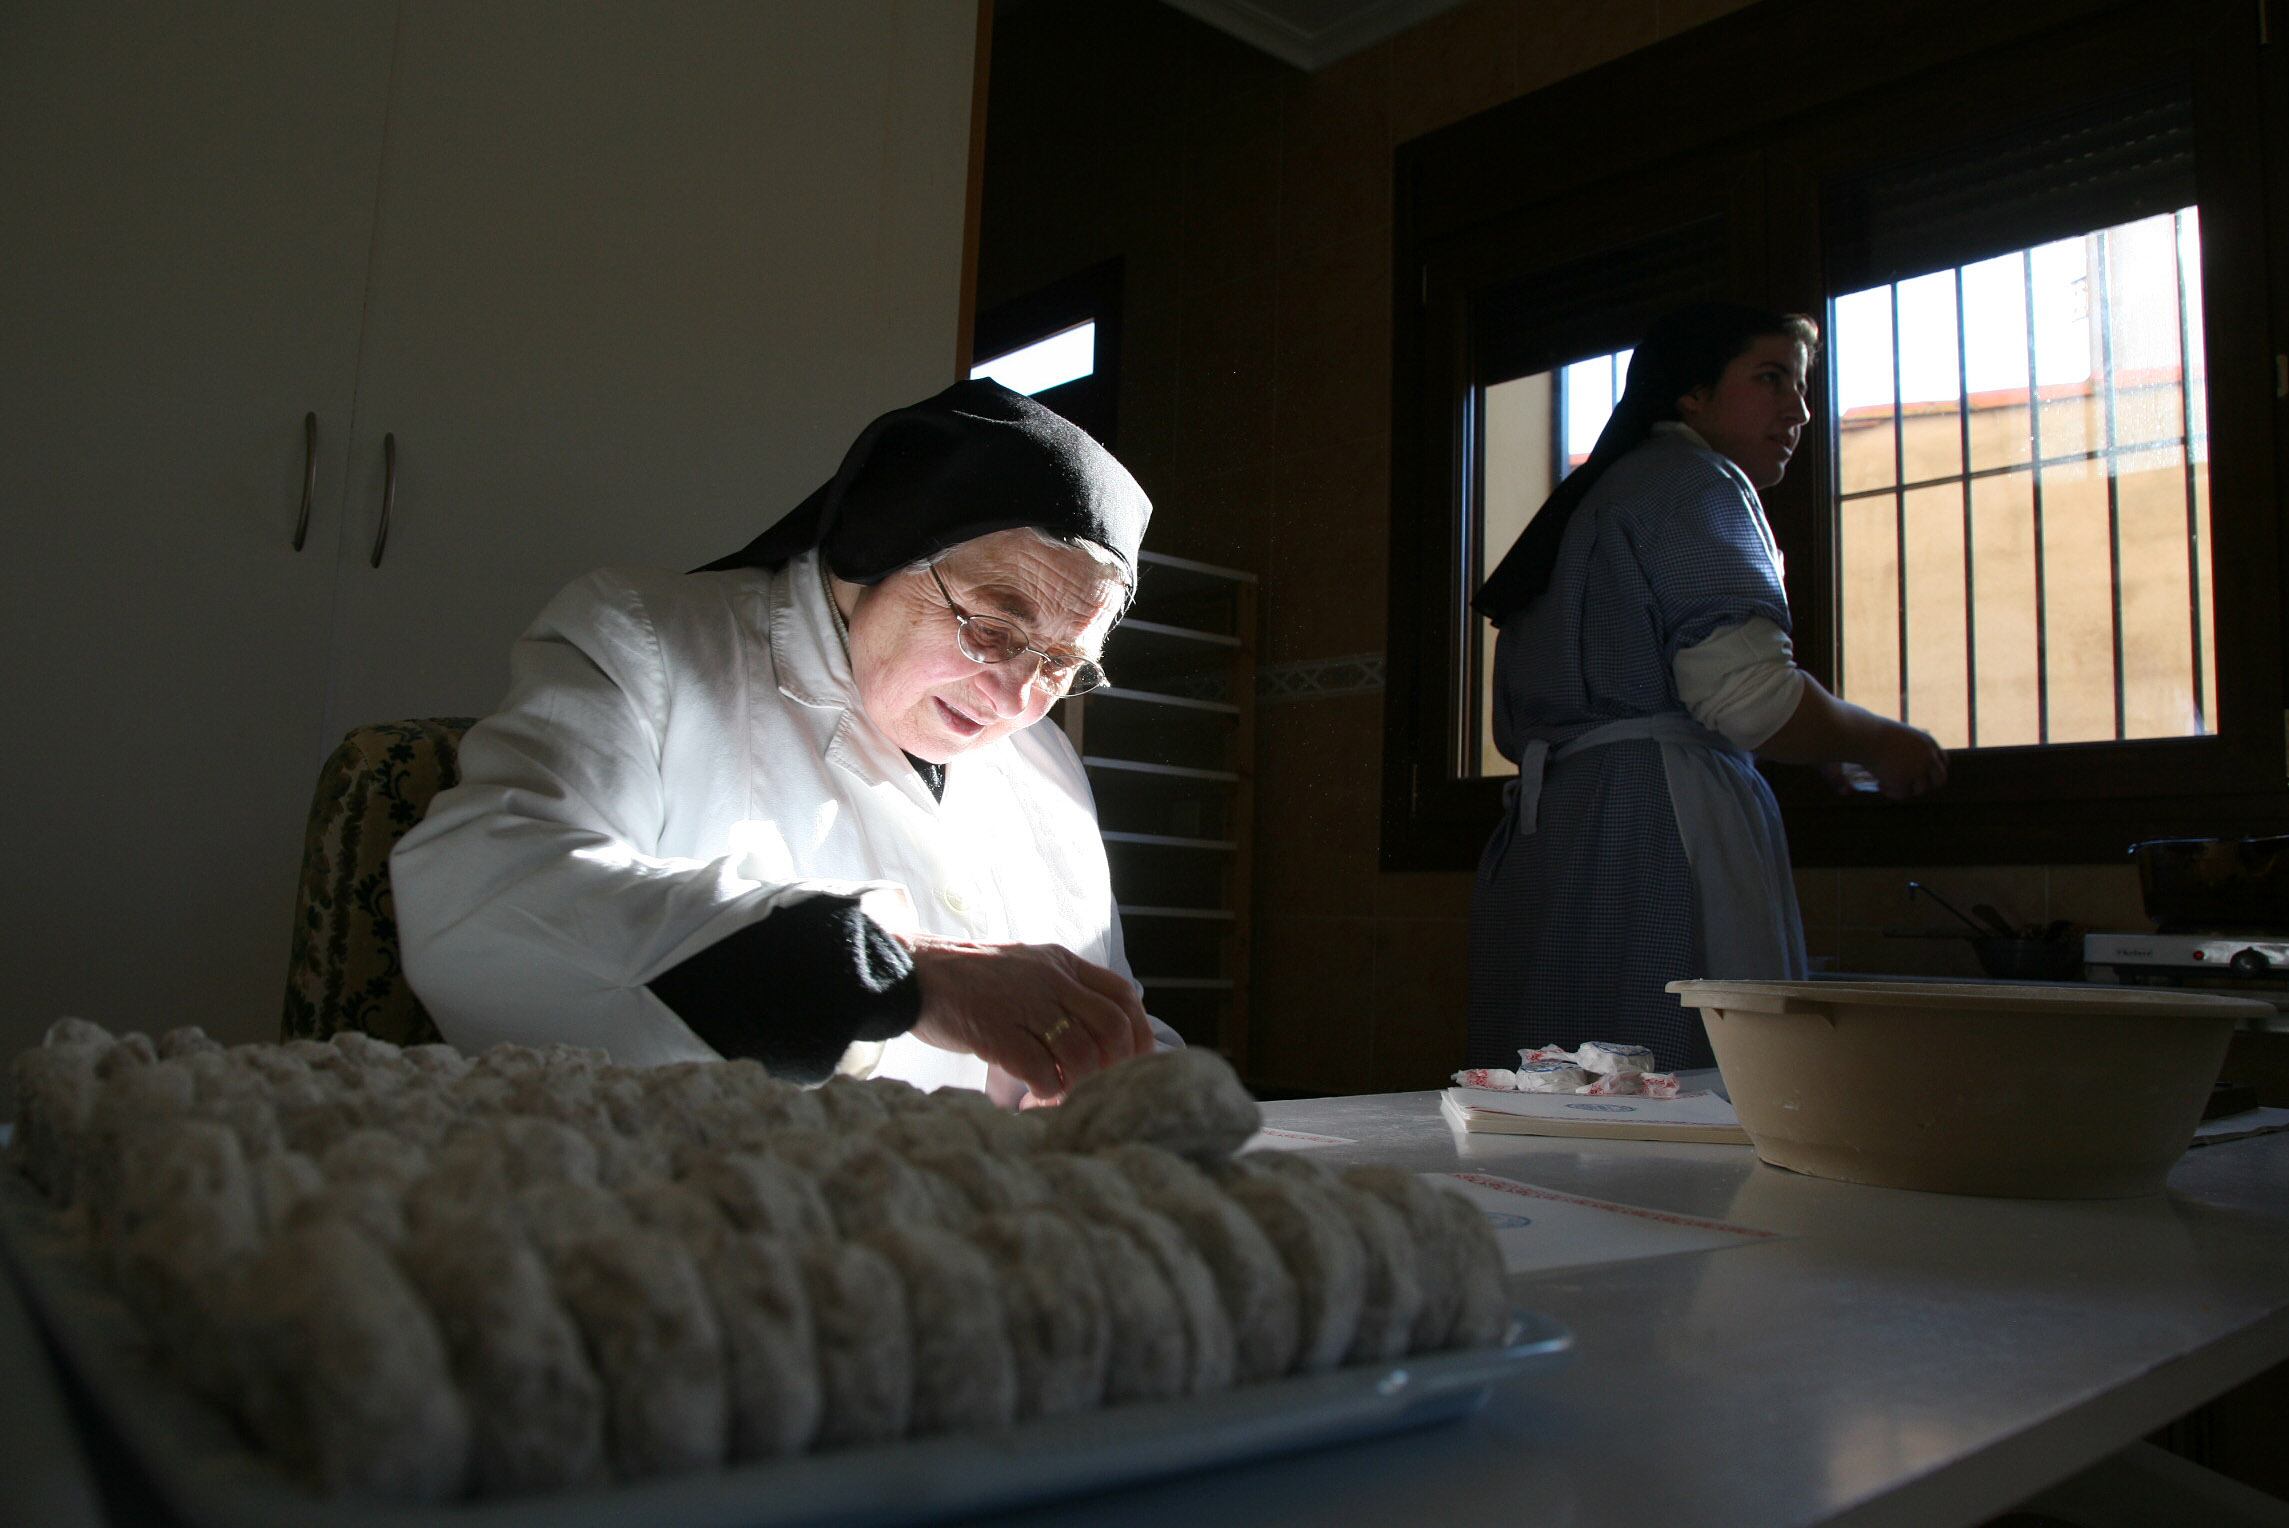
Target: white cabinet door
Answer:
[[188, 195], [641, 273]]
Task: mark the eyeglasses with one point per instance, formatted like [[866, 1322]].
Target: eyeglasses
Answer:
[[989, 639]]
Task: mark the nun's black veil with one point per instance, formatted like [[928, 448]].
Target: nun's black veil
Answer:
[[1683, 349], [975, 459]]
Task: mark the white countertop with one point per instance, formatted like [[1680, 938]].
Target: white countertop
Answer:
[[1892, 1358], [1897, 1358]]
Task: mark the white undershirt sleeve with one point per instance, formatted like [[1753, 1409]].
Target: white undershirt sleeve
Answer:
[[1741, 681]]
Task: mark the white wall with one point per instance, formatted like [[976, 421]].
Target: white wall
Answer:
[[622, 279]]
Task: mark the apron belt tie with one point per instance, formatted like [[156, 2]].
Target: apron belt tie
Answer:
[[1522, 797]]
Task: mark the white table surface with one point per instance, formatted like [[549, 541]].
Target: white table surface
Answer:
[[1899, 1357], [1895, 1358]]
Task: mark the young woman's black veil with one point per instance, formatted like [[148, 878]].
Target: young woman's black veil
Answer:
[[1683, 349]]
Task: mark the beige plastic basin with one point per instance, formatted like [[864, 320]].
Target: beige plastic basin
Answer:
[[2023, 1091]]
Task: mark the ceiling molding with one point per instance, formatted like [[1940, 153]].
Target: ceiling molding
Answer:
[[1311, 34]]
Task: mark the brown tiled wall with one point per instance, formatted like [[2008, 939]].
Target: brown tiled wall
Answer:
[[1251, 205]]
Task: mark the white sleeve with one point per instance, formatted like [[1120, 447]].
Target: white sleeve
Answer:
[[1741, 681], [530, 905]]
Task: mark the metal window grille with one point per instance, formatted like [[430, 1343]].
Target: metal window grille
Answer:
[[2110, 429]]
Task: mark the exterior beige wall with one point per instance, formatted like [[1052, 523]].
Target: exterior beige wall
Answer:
[[2165, 694]]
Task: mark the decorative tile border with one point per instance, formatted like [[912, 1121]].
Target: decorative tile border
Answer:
[[1320, 678]]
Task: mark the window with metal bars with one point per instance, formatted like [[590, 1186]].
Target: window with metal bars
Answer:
[[2040, 517], [2023, 504], [2021, 451]]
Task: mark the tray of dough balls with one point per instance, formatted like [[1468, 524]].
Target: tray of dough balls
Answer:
[[344, 1283]]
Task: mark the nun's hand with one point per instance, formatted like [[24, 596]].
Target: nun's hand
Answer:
[[1038, 1011]]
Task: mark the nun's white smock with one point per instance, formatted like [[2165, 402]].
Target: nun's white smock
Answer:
[[679, 754], [1639, 845]]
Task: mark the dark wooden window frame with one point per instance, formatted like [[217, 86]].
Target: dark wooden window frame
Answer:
[[1750, 118], [1093, 401]]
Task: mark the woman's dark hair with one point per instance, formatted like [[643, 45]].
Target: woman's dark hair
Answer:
[[1683, 349]]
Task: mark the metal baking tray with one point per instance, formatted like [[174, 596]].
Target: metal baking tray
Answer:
[[210, 1477]]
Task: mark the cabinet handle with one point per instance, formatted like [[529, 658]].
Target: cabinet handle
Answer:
[[389, 496], [309, 478]]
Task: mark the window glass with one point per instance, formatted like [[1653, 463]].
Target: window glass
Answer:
[[1537, 429], [2023, 498], [1063, 357]]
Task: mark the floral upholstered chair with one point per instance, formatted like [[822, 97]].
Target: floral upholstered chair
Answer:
[[343, 972]]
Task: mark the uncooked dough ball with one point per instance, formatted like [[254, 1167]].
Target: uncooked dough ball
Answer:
[[865, 1339], [743, 1079], [869, 1188], [677, 1210], [1150, 1359], [134, 1098], [1211, 1351], [272, 1064], [651, 1330], [1393, 1296], [244, 1113], [280, 1182], [56, 1088], [1187, 1101], [421, 1115], [130, 1050], [1011, 1132], [356, 1051], [342, 1373], [520, 1152], [375, 1207], [987, 1183], [1081, 1181], [898, 1096], [1322, 1253], [683, 1101], [440, 1061], [1259, 1293], [178, 1271], [376, 1155], [815, 1152], [1443, 1260], [167, 1161], [1482, 1308], [77, 1031], [560, 1217], [190, 1040], [536, 1406], [1059, 1328], [751, 1114], [762, 1193], [850, 1104], [764, 1310], [920, 1131], [965, 1374]]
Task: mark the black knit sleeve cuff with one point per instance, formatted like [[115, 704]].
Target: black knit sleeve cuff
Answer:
[[795, 989]]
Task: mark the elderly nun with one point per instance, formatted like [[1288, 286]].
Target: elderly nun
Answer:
[[793, 806]]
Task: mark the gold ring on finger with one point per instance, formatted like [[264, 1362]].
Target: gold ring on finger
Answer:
[[1049, 1035]]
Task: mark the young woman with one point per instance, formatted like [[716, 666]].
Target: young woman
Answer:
[[1644, 664]]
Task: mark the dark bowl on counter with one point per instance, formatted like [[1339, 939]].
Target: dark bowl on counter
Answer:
[[2030, 960]]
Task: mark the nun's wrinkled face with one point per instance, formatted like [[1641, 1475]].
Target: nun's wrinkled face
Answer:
[[915, 682], [1756, 410]]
